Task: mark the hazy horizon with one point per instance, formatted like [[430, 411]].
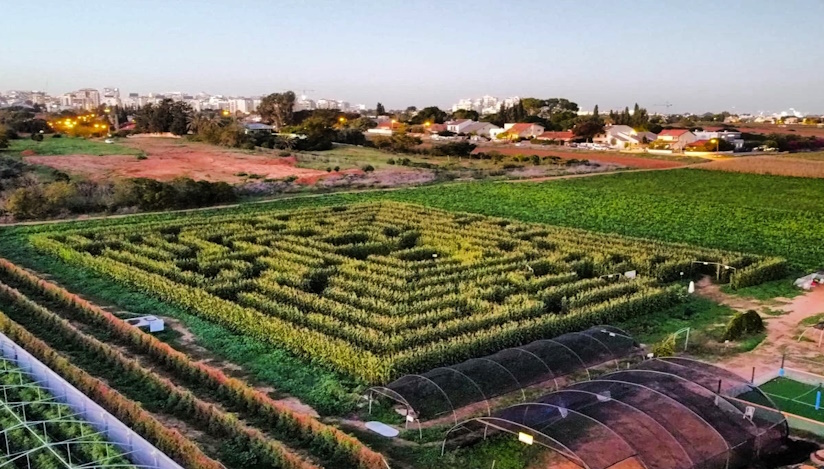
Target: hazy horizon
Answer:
[[739, 56]]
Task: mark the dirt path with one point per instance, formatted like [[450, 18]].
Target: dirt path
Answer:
[[782, 330], [187, 343]]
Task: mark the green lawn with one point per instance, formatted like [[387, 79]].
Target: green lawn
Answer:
[[766, 291], [794, 397], [71, 146]]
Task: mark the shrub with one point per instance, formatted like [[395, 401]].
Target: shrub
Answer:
[[336, 168], [328, 169], [390, 161], [284, 153], [57, 136], [368, 168], [37, 137], [665, 348], [291, 178], [142, 157], [743, 324]]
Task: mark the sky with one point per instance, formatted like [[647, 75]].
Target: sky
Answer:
[[698, 55]]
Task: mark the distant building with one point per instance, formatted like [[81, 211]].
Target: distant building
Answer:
[[86, 98]]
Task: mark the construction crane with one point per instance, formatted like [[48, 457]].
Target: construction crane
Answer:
[[666, 104]]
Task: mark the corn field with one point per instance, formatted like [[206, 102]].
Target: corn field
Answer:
[[377, 290]]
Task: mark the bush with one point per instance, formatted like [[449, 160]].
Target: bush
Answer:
[[142, 157], [368, 168], [743, 324], [289, 179], [284, 153], [336, 168], [57, 136], [665, 348], [390, 161], [328, 169], [37, 137]]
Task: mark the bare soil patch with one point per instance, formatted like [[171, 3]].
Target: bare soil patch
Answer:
[[167, 159], [782, 331]]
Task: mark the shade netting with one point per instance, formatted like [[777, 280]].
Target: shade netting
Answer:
[[443, 391], [671, 413]]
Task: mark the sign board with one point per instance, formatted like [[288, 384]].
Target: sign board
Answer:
[[631, 274], [525, 438]]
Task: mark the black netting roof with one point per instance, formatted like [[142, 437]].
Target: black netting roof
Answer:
[[442, 391], [671, 413]]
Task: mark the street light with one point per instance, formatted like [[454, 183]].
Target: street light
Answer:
[[717, 144]]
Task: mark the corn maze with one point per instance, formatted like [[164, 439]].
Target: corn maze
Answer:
[[377, 290]]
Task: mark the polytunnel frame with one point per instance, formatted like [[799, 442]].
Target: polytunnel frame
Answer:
[[577, 459], [393, 395], [45, 442], [728, 451]]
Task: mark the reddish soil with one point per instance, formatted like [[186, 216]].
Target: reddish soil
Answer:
[[783, 330], [600, 157], [28, 153], [168, 159]]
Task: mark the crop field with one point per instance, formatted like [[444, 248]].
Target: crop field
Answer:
[[377, 290], [775, 165], [190, 410]]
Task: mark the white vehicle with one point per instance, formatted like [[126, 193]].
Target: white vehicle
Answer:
[[108, 140]]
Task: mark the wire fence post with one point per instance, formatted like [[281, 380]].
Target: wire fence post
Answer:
[[781, 370], [752, 379]]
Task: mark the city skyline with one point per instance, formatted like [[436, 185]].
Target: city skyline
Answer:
[[699, 56]]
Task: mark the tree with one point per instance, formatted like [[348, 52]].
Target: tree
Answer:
[[362, 124], [588, 127], [466, 114], [431, 114], [277, 109], [4, 140], [380, 110]]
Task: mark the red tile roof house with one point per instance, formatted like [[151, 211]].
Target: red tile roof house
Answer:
[[517, 131], [674, 139], [561, 137]]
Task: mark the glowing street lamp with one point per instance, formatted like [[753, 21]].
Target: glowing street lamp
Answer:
[[225, 112], [717, 144]]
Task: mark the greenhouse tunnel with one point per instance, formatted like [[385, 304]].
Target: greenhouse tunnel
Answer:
[[443, 391], [665, 413]]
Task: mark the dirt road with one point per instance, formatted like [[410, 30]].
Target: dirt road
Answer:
[[783, 330]]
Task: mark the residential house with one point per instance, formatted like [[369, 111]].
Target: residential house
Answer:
[[384, 128], [709, 133], [522, 130], [674, 139], [481, 129], [620, 137], [564, 137], [257, 127], [458, 126]]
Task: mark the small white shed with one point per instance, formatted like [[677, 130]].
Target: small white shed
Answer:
[[148, 323]]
